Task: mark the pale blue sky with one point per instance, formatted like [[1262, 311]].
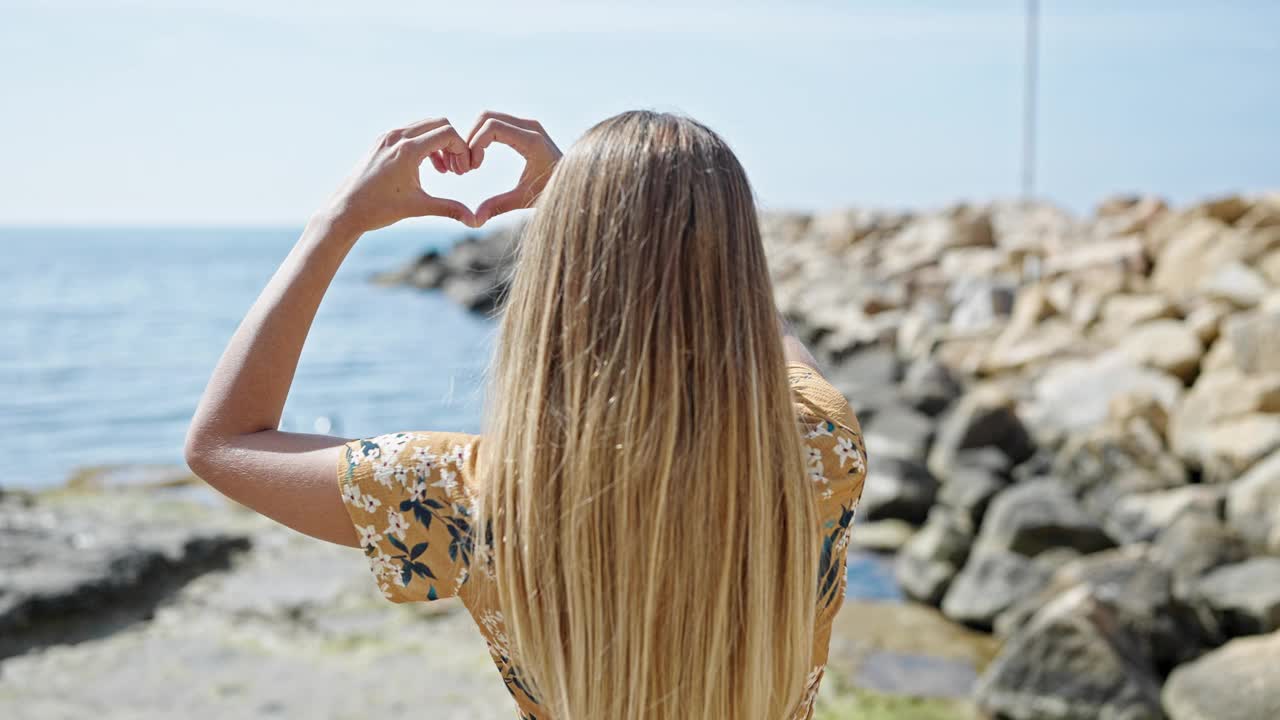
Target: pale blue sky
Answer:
[[252, 111]]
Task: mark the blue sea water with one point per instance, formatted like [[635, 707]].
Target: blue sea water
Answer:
[[111, 334]]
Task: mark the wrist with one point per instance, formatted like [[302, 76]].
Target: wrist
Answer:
[[335, 224]]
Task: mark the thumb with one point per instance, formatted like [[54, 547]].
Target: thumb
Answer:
[[499, 204], [443, 207]]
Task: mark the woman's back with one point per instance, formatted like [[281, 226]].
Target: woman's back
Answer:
[[411, 495]]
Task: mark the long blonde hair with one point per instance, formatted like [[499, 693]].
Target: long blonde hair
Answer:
[[654, 538]]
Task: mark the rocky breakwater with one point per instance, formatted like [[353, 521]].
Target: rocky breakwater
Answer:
[[1073, 425]]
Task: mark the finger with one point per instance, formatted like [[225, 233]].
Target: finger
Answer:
[[443, 138], [443, 207], [437, 160], [422, 126], [522, 123], [499, 204], [452, 161], [517, 138]]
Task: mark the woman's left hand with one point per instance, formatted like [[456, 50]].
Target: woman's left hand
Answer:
[[385, 188]]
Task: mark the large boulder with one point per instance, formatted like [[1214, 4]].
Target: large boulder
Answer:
[[900, 432], [985, 417], [990, 582], [1195, 543], [1217, 397], [1077, 394], [1194, 254], [1032, 517], [1244, 597], [1143, 516], [1239, 681], [902, 489], [1255, 340], [1072, 661], [1121, 312], [1233, 446], [969, 491], [929, 386], [1253, 505]]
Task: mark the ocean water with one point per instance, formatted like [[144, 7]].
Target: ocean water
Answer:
[[111, 334]]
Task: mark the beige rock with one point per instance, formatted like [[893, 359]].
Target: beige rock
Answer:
[[1228, 209], [1265, 213], [1125, 254], [1237, 284], [1167, 345], [1017, 347], [1269, 266], [1194, 254], [1216, 398], [1120, 312], [1206, 318], [1221, 357], [1132, 406], [1232, 447], [1255, 340]]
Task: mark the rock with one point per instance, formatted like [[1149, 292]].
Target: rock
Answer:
[[932, 556], [1071, 662], [903, 489], [898, 432], [1234, 445], [477, 293], [1120, 312], [989, 583], [969, 491], [990, 459], [1270, 267], [1018, 348], [1244, 596], [886, 536], [1239, 681], [1218, 396], [929, 386], [1032, 517], [1253, 505], [1195, 543], [1206, 319], [980, 306], [983, 418], [1237, 284], [67, 561], [1165, 345], [1194, 255], [1124, 255], [1141, 517], [1227, 209], [1077, 394], [1255, 341]]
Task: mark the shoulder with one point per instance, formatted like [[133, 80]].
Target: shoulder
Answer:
[[817, 399], [835, 456]]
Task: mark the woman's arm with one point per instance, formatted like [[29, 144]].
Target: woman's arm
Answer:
[[233, 443]]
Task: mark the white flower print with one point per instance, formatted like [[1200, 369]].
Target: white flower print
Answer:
[[847, 452], [369, 536], [813, 459], [419, 491], [396, 524], [448, 478], [401, 474], [458, 454], [384, 472], [371, 503], [821, 428], [424, 458], [351, 495]]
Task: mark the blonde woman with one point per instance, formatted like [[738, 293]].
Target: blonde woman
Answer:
[[654, 522]]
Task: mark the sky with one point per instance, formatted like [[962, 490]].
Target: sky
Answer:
[[251, 112]]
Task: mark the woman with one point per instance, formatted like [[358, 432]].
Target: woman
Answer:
[[655, 519]]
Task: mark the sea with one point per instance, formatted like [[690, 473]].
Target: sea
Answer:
[[110, 334]]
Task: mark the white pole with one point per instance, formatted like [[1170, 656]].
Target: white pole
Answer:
[[1029, 102]]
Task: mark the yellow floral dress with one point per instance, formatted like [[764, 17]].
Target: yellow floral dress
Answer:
[[408, 494]]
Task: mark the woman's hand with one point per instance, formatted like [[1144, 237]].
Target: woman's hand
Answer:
[[385, 188], [525, 137]]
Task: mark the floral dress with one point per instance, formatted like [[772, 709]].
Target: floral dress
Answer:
[[409, 496]]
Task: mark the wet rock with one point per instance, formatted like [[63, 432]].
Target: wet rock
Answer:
[[903, 489], [1239, 681], [985, 417], [1071, 662], [970, 490], [1253, 505], [990, 582], [1032, 517], [1244, 596]]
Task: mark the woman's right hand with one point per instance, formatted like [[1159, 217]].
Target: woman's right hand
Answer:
[[525, 137]]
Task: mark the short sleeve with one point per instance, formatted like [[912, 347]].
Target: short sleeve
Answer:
[[836, 462], [409, 497]]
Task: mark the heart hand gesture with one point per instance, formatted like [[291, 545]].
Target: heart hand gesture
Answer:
[[525, 137]]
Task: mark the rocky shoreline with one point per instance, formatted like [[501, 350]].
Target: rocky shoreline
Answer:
[[138, 593], [1073, 425]]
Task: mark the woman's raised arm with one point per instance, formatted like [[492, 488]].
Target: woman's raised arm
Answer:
[[233, 442]]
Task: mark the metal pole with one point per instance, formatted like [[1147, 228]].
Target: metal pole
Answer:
[[1029, 102]]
